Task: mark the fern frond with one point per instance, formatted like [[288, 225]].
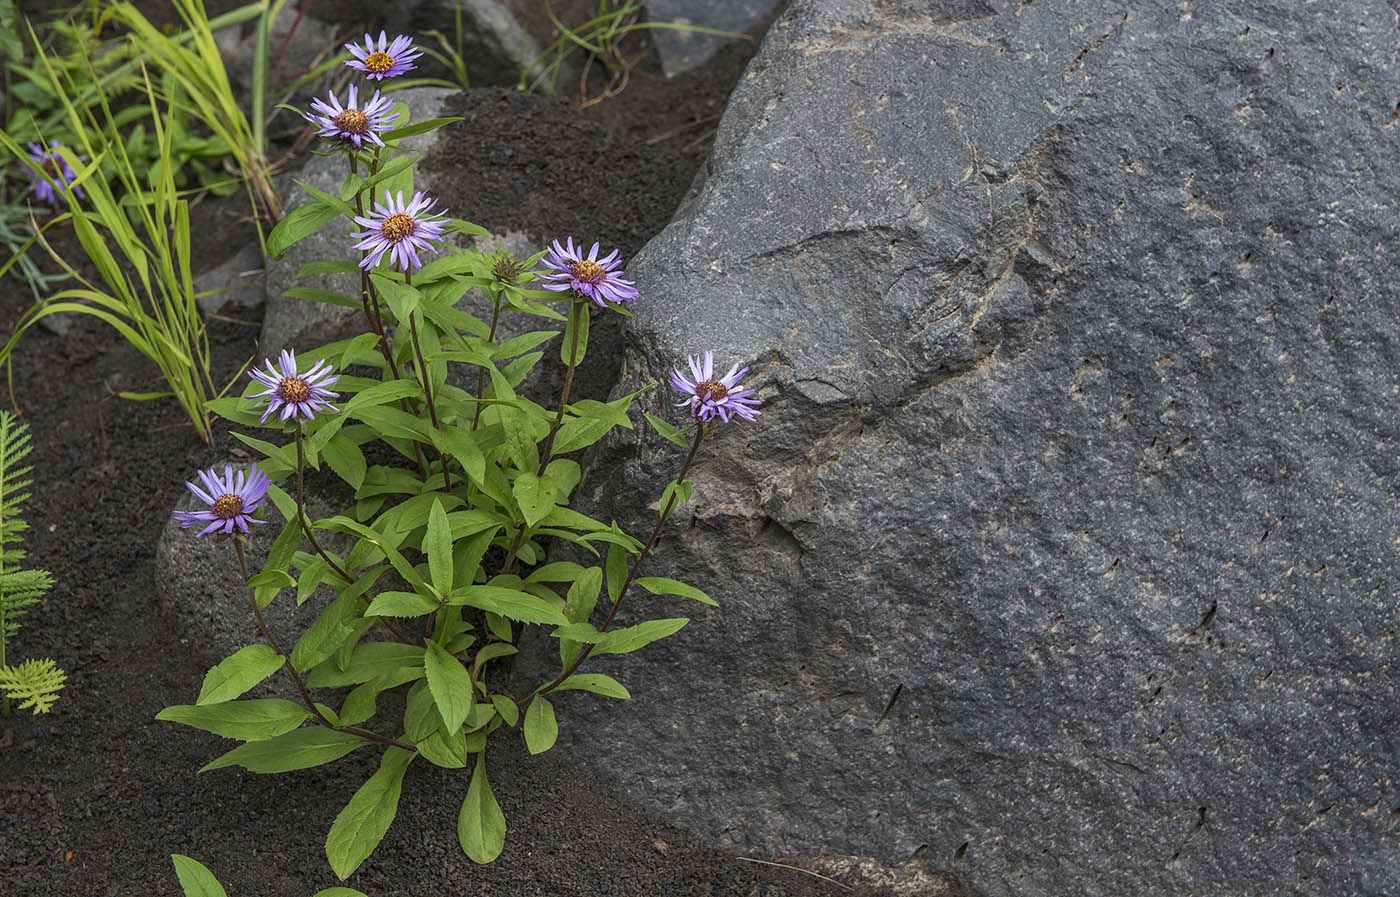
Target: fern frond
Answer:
[[19, 590], [14, 448], [34, 683]]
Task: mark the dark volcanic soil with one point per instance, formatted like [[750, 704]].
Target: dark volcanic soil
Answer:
[[96, 795]]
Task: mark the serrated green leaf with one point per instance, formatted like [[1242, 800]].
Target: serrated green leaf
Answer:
[[297, 749], [300, 222], [368, 661], [437, 545], [400, 604], [450, 684], [360, 827], [583, 595], [254, 720], [511, 603], [541, 728], [239, 672], [481, 826], [346, 459]]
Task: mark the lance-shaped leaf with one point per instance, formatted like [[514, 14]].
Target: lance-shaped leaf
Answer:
[[622, 641], [245, 720], [450, 684], [437, 545], [481, 826], [536, 496], [597, 683], [236, 674], [361, 825], [660, 585], [297, 749], [512, 603]]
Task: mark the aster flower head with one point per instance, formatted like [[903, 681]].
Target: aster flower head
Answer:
[[295, 393], [401, 230], [387, 60], [588, 276], [708, 395], [352, 124], [231, 500], [57, 168]]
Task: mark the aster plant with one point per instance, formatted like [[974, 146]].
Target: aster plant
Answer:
[[51, 173], [445, 548]]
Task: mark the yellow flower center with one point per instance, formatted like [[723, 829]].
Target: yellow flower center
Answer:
[[379, 63], [586, 271], [352, 121], [397, 227], [227, 506], [293, 390], [711, 389]]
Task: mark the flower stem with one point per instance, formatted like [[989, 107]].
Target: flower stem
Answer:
[[292, 671], [631, 574], [481, 371]]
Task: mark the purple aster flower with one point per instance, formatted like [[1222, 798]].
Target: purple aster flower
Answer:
[[707, 395], [388, 60], [57, 168], [353, 124], [401, 230], [231, 501], [591, 277], [303, 394]]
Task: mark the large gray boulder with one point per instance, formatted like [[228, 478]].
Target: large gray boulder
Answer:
[[1064, 552]]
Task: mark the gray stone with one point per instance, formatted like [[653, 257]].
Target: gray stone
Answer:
[[682, 49], [494, 45], [238, 281], [199, 581], [312, 42], [299, 323], [1063, 554]]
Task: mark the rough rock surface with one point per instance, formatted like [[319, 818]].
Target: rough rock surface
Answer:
[[1064, 551]]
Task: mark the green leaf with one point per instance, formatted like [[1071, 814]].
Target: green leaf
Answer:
[[366, 818], [437, 545], [682, 496], [238, 673], [597, 683], [333, 625], [583, 595], [420, 716], [447, 751], [481, 826], [623, 641], [512, 603], [541, 728], [368, 661], [297, 749], [273, 579], [450, 684], [507, 709], [535, 496], [195, 878], [300, 222], [420, 127], [660, 585], [668, 431], [339, 892], [245, 720], [401, 604], [460, 445], [346, 459], [617, 571]]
